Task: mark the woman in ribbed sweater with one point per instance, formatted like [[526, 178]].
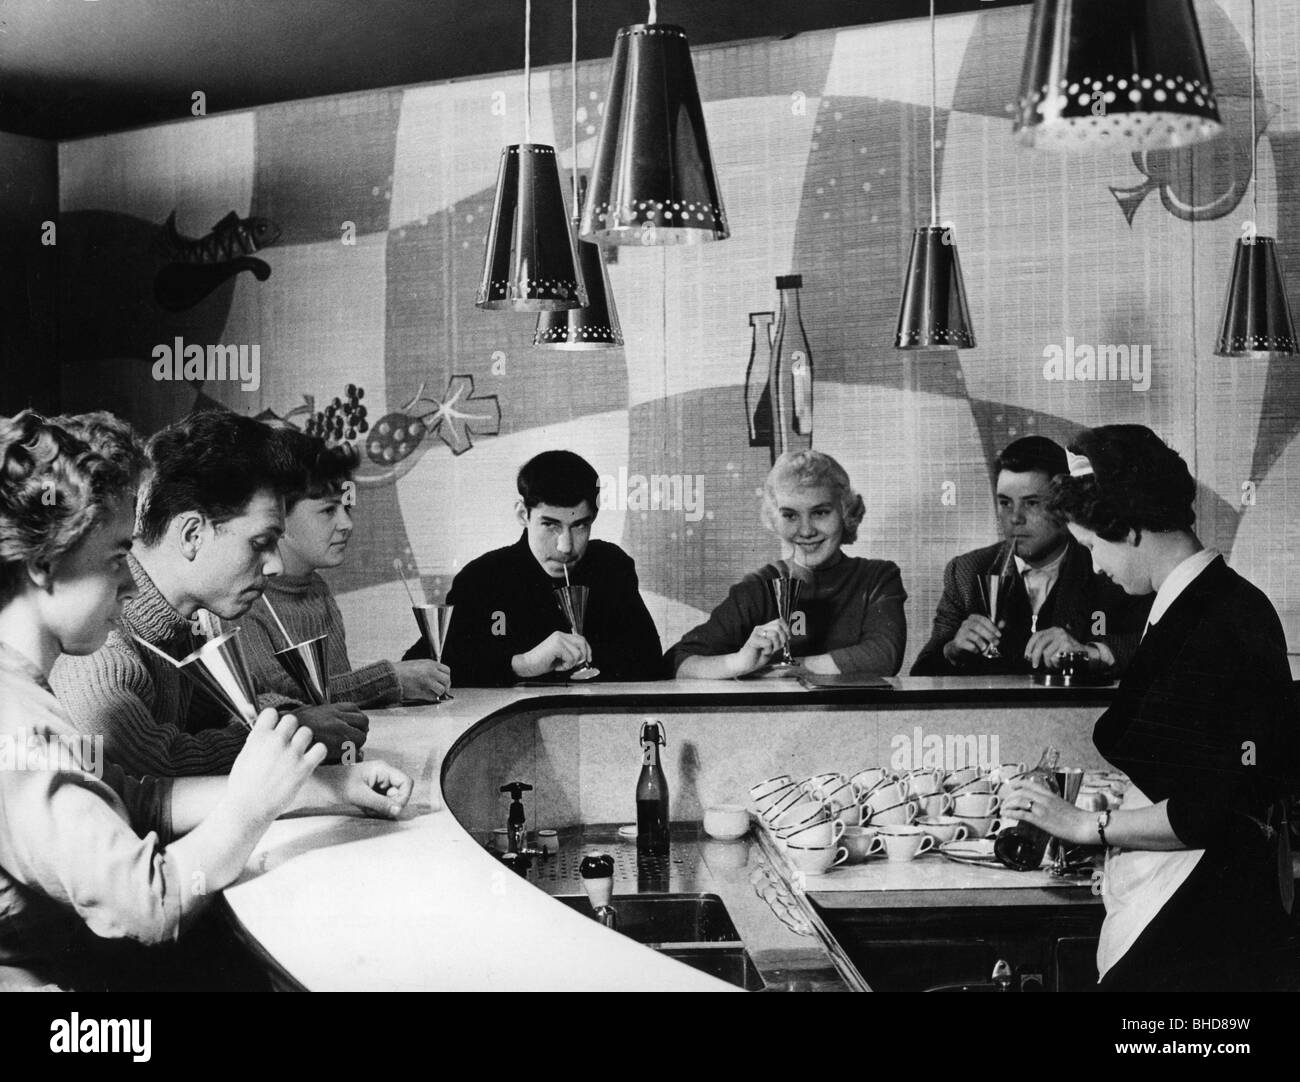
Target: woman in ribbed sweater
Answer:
[[318, 526], [90, 858], [849, 617]]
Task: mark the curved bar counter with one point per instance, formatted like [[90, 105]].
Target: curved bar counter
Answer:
[[340, 903]]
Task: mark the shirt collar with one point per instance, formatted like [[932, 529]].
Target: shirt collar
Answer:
[[1179, 579], [1051, 570]]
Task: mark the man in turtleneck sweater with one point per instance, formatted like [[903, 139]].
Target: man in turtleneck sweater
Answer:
[[211, 516]]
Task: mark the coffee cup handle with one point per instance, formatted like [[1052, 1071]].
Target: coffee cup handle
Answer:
[[996, 805], [947, 804], [864, 816], [913, 810], [995, 827], [837, 831], [841, 855], [962, 832], [876, 845], [927, 843]]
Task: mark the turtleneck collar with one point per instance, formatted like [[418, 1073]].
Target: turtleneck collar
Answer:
[[284, 585], [149, 614]]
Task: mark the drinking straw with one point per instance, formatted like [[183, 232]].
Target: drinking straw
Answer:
[[566, 575], [151, 646], [397, 566], [278, 622]]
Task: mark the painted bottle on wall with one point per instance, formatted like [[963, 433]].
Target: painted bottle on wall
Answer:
[[779, 410]]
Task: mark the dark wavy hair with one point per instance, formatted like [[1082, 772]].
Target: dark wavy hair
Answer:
[[213, 462], [1138, 483], [321, 468], [1031, 454], [54, 489], [558, 478]]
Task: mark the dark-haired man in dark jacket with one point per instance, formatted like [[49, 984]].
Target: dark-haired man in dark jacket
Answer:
[[507, 625], [1051, 600]]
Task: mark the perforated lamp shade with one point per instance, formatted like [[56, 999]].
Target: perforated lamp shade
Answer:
[[1121, 74], [933, 313], [530, 263], [594, 326], [1257, 316], [653, 180]]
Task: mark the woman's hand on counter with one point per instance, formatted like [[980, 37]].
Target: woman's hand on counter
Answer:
[[764, 641]]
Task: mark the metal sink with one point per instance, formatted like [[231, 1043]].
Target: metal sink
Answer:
[[692, 928], [656, 919]]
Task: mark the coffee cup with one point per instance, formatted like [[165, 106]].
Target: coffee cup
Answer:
[[813, 834], [837, 797], [806, 811], [764, 803], [891, 815], [976, 804], [935, 804], [764, 789], [866, 780], [788, 799], [955, 778], [1005, 771], [906, 843], [975, 785], [861, 842], [944, 828], [887, 792], [814, 860], [726, 821], [819, 781], [924, 782], [981, 826]]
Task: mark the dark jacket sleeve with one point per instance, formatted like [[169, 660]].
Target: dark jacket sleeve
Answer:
[[629, 649], [727, 627], [880, 649], [480, 640], [1236, 729], [947, 619]]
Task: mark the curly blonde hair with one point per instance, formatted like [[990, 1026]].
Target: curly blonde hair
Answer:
[[814, 469]]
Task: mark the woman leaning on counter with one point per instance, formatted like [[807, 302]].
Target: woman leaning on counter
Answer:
[[851, 608], [1203, 722]]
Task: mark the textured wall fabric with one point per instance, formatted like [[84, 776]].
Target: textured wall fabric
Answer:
[[821, 145]]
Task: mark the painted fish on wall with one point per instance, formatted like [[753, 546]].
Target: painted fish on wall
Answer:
[[195, 266]]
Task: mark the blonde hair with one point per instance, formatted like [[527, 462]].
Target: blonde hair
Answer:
[[814, 469]]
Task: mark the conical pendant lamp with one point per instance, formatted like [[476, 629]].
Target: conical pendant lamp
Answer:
[[1115, 74], [530, 262], [1257, 321], [933, 313], [653, 180], [594, 326]]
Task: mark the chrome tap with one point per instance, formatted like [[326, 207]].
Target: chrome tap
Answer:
[[516, 833]]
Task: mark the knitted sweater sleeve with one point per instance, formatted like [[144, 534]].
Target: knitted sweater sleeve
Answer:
[[111, 693]]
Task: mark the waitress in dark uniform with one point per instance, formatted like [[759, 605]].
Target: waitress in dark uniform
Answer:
[[1198, 880]]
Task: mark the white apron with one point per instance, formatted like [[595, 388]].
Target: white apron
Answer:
[[1135, 886]]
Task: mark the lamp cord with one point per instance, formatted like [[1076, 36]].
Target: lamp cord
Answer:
[[934, 203], [573, 99], [1254, 134], [528, 71]]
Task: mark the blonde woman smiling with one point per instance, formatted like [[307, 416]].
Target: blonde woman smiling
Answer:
[[849, 615]]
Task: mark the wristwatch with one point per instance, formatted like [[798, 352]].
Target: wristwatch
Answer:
[[1103, 821]]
